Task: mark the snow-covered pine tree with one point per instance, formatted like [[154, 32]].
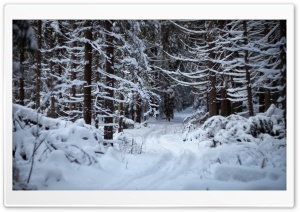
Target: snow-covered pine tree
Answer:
[[74, 53], [87, 97], [109, 65]]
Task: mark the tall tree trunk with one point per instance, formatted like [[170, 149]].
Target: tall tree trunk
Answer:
[[109, 103], [133, 107], [275, 94], [87, 102], [22, 90], [169, 106], [97, 80], [61, 108], [225, 104], [248, 78], [52, 99], [267, 99], [212, 97], [145, 109], [121, 113], [38, 65], [138, 109], [262, 92], [166, 64], [73, 75], [283, 66]]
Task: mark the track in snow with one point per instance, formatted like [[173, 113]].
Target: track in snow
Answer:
[[166, 160]]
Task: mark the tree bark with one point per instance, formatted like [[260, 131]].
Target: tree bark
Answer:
[[73, 75], [52, 99], [283, 66], [263, 93], [133, 107], [267, 99], [212, 96], [97, 79], [121, 113], [38, 65], [22, 90], [248, 78], [138, 109], [225, 104], [109, 103], [87, 101]]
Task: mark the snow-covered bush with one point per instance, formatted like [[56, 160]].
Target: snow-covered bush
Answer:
[[196, 118], [243, 149], [235, 128], [36, 138], [194, 121], [271, 122]]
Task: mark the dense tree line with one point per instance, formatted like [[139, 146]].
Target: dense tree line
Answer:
[[115, 72], [239, 65]]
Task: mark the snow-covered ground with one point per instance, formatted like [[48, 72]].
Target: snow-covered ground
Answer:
[[160, 159]]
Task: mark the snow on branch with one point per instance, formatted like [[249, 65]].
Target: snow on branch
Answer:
[[169, 73], [189, 31]]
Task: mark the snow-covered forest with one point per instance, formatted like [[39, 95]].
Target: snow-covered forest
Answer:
[[149, 105]]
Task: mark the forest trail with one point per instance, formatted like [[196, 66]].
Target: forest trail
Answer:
[[166, 160]]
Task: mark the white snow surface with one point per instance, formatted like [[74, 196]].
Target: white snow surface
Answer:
[[152, 156]]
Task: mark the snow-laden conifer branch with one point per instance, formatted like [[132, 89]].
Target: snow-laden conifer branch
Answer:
[[186, 30]]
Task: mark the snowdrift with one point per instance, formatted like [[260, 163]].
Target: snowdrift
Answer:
[[243, 149], [235, 128], [222, 153], [50, 144]]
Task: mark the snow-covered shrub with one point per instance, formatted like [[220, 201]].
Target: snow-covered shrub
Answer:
[[194, 121], [36, 138], [271, 122], [246, 161], [235, 128], [261, 124]]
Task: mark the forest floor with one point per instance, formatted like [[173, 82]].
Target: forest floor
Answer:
[[162, 162]]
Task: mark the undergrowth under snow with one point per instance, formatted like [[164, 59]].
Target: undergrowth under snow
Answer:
[[232, 153]]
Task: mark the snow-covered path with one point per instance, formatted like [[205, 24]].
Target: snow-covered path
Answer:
[[166, 158]]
